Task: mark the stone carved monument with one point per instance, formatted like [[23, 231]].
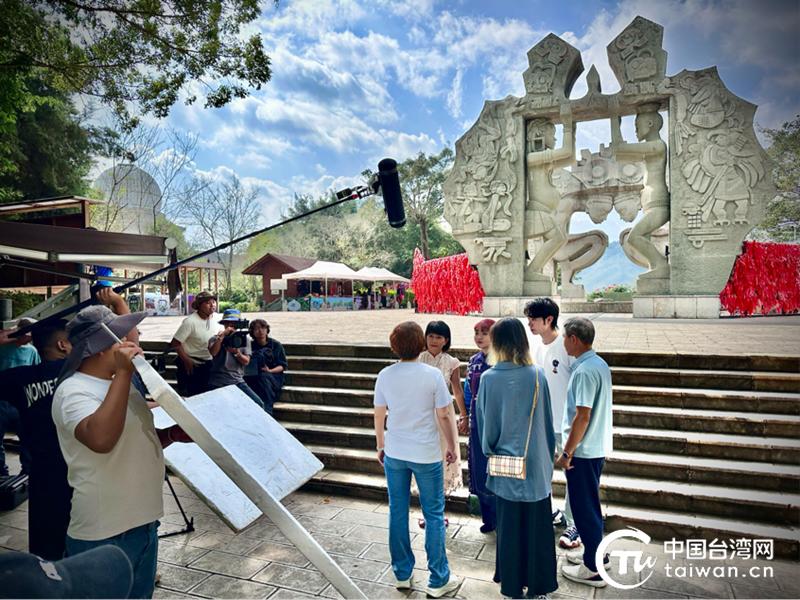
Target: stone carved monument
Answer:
[[596, 184], [509, 203]]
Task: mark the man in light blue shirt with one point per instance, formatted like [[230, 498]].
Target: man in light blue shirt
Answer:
[[587, 431]]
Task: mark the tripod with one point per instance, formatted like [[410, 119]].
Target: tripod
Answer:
[[189, 523]]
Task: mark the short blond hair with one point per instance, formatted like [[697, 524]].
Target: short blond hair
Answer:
[[509, 343]]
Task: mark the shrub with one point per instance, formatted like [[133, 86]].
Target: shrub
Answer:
[[247, 306], [21, 302], [225, 305]]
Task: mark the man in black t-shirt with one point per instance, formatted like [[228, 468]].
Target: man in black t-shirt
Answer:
[[30, 390]]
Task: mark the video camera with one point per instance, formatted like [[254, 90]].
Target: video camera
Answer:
[[238, 339]]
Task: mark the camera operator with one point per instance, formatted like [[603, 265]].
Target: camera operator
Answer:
[[231, 351]]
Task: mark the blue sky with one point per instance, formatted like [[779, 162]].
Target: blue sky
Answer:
[[355, 81]]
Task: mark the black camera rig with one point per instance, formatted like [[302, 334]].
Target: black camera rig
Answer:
[[237, 339]]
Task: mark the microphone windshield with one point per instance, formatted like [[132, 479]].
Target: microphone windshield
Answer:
[[390, 190]]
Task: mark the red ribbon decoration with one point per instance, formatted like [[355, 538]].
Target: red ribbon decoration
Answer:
[[446, 285], [766, 276]]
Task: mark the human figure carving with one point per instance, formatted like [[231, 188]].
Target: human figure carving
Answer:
[[581, 250], [543, 197], [655, 197]]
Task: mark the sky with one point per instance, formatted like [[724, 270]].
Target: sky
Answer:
[[355, 81]]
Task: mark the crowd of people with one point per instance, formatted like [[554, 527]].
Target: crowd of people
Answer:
[[88, 442], [96, 468], [523, 413]]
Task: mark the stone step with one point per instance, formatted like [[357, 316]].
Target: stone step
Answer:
[[778, 451], [759, 506], [668, 468], [626, 376], [709, 445], [781, 403], [721, 400], [659, 523], [646, 417], [705, 379], [708, 421], [343, 354]]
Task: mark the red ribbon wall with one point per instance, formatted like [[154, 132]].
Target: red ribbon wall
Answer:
[[766, 276], [446, 285]]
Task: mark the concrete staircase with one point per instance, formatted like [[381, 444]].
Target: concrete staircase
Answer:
[[704, 446]]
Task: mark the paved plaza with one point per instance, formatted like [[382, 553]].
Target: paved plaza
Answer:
[[756, 335], [212, 562]]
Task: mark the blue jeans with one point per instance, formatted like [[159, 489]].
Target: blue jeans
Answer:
[[430, 481], [141, 546]]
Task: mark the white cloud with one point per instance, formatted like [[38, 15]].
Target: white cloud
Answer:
[[411, 10], [311, 18], [321, 186], [455, 95], [401, 145]]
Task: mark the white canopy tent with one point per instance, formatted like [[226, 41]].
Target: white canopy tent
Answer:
[[381, 274], [323, 270]]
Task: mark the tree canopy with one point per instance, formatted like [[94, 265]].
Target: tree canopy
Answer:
[[782, 215], [46, 150], [144, 52]]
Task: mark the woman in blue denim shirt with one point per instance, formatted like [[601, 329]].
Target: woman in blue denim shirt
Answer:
[[526, 554]]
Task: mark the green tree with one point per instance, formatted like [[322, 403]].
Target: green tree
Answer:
[[49, 151], [421, 179], [144, 52], [782, 214]]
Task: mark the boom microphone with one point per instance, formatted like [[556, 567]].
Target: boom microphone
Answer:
[[390, 190]]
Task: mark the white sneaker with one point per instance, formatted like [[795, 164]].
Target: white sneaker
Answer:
[[404, 585], [576, 558], [581, 574], [448, 587]]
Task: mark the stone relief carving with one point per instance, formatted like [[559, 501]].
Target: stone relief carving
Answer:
[[495, 248], [543, 198], [500, 206], [595, 185], [655, 195]]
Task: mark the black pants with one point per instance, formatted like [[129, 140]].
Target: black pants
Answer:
[[197, 382], [49, 504], [583, 480], [526, 554]]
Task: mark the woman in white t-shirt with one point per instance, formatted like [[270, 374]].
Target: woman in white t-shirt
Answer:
[[417, 399]]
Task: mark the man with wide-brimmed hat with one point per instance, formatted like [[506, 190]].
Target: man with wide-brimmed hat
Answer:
[[112, 449], [191, 342]]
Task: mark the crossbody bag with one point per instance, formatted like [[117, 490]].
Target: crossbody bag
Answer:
[[514, 466]]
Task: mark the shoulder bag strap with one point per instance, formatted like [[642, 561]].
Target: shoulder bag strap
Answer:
[[530, 425]]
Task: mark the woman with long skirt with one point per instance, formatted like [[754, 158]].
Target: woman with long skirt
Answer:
[[437, 343], [514, 417], [478, 364]]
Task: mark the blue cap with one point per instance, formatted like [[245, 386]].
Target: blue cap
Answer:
[[232, 314]]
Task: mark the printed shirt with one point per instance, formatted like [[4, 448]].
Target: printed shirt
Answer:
[[475, 368], [590, 386], [30, 390]]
